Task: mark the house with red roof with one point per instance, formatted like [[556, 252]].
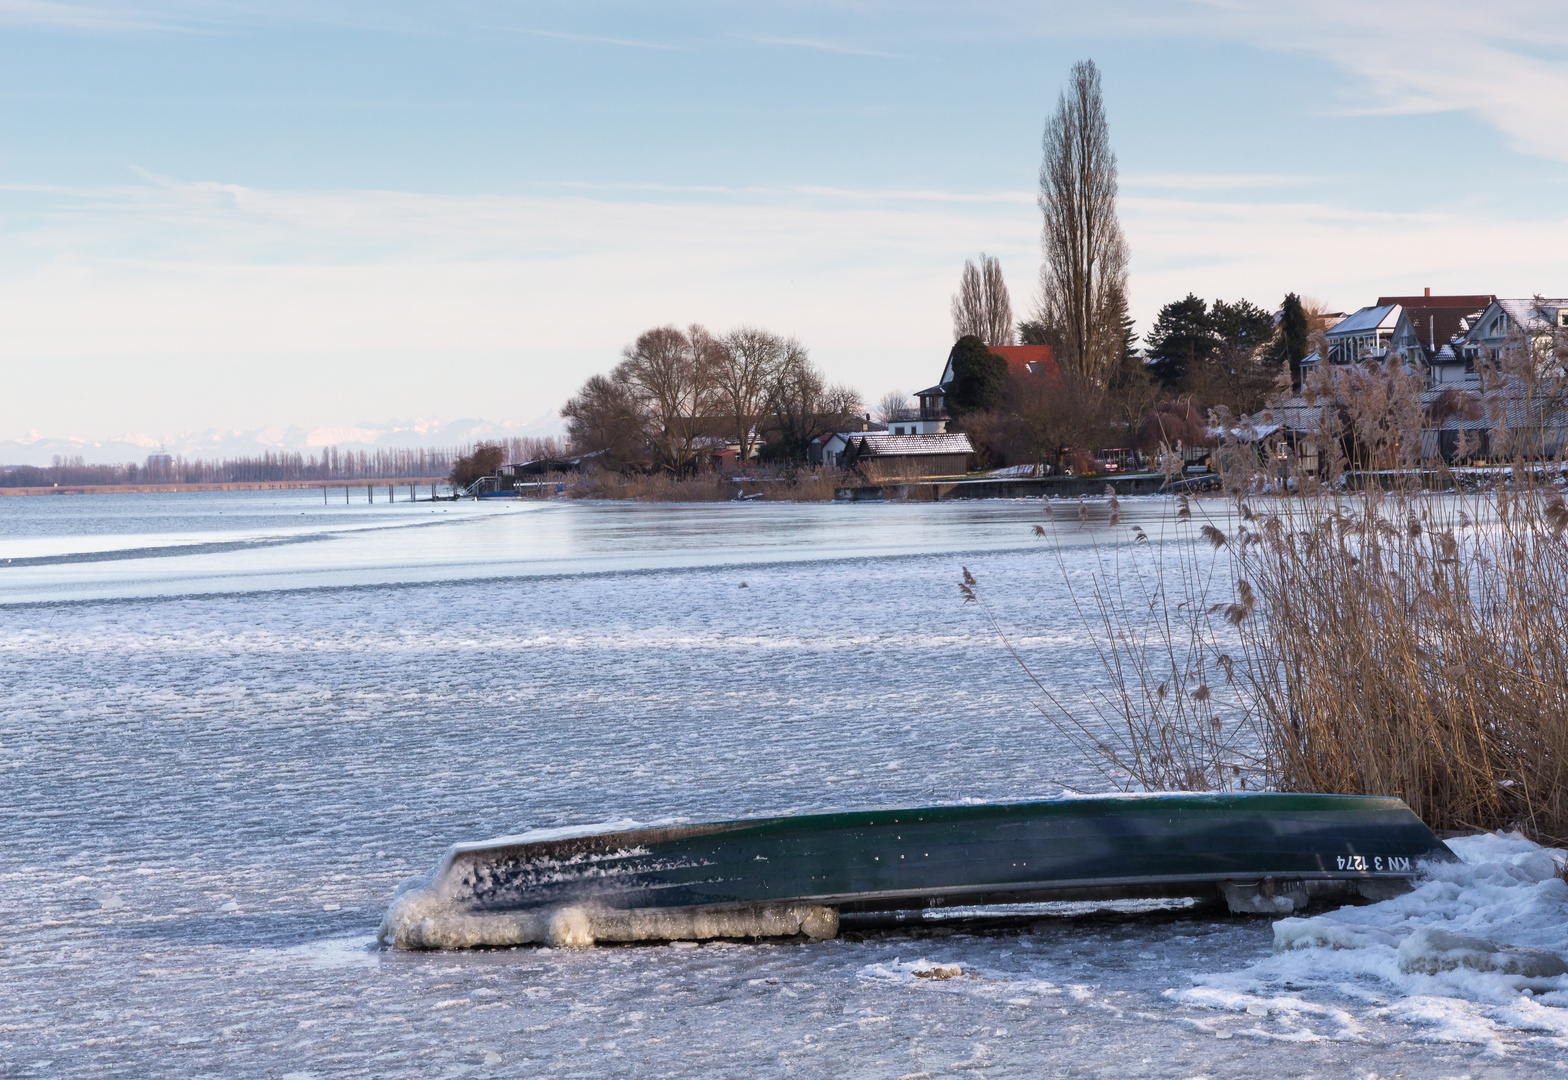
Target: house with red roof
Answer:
[[1023, 361]]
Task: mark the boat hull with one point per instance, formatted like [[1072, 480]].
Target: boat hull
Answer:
[[1264, 852]]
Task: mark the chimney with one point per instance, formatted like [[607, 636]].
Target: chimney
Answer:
[[1429, 290]]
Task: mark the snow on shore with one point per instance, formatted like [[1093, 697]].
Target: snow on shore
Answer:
[[1474, 954]]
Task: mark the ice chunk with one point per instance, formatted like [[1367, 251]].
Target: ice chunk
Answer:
[[1432, 950], [564, 832], [1456, 954]]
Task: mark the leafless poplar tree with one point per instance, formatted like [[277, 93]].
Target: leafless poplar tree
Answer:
[[981, 305], [1085, 254], [744, 371]]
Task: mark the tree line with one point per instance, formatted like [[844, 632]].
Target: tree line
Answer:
[[678, 395], [330, 464]]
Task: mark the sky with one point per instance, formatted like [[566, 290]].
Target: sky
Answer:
[[292, 215]]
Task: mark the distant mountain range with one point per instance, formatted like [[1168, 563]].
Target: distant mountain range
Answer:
[[214, 444]]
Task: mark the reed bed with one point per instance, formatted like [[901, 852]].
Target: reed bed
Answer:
[[1376, 639], [1412, 645], [1379, 643]]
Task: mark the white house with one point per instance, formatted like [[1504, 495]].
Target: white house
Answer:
[[1429, 333], [1505, 323]]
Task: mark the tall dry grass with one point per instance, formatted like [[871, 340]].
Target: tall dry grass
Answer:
[[1407, 644], [1351, 637], [657, 487], [1169, 715]]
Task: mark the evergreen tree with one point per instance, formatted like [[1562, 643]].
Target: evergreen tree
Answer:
[[979, 377], [1183, 337], [1291, 344], [1130, 391], [1126, 331], [1128, 367], [1240, 329], [1237, 373], [1038, 332]]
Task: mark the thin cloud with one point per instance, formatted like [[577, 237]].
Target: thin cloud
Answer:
[[873, 194], [1503, 64], [593, 39], [83, 17], [1216, 181], [221, 278], [816, 43]]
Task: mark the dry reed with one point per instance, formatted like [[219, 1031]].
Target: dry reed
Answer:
[[1377, 639], [1414, 645]]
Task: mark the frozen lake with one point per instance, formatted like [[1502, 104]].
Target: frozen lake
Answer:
[[233, 722]]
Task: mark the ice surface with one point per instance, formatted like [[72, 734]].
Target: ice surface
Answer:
[[299, 728]]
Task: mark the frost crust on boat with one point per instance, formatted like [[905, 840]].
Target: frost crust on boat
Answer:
[[443, 908]]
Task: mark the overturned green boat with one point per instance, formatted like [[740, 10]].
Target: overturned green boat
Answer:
[[780, 876]]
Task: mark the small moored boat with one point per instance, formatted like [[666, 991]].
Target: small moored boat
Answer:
[[779, 876]]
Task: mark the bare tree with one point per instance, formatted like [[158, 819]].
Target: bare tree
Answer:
[[969, 304], [671, 374], [743, 371], [606, 418], [981, 305], [893, 406], [1085, 254], [802, 405], [998, 306]]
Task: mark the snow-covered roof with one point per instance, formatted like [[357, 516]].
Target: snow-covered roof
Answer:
[[1533, 314], [1250, 432], [878, 445], [842, 436], [1379, 317]]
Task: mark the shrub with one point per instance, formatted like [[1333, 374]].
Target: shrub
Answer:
[[484, 461]]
